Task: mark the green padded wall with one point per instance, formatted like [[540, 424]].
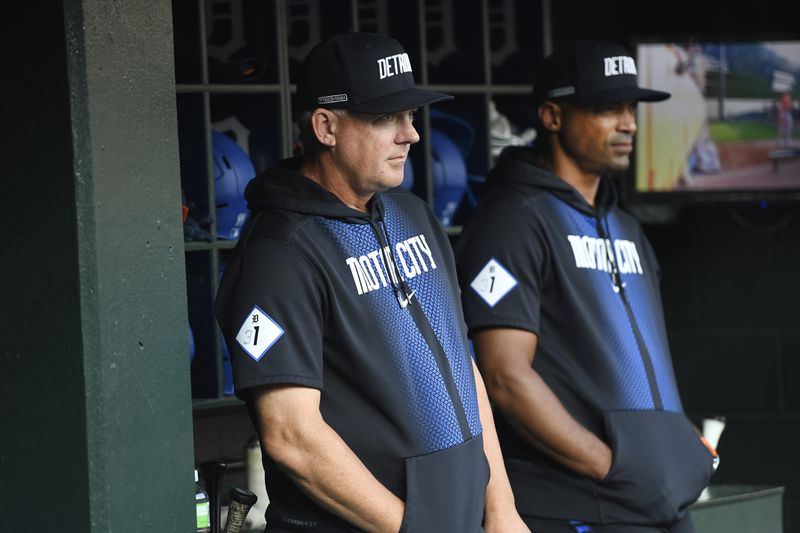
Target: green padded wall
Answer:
[[95, 399]]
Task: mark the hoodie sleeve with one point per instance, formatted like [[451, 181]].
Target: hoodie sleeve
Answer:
[[270, 308], [501, 263]]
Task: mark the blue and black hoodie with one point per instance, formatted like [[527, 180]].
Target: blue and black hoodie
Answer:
[[365, 308], [584, 279]]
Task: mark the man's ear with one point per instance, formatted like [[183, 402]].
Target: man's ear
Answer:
[[324, 123], [550, 116]]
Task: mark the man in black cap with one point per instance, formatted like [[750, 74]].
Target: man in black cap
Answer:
[[340, 309], [560, 292]]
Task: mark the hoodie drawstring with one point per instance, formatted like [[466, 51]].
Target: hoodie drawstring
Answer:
[[616, 279], [402, 291]]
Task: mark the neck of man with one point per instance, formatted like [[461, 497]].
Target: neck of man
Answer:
[[585, 182], [322, 169]]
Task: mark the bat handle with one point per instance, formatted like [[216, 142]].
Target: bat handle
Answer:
[[214, 472], [241, 500]]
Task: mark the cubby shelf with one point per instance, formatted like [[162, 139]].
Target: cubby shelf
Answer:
[[236, 65]]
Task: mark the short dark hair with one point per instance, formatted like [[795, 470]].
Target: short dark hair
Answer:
[[307, 136], [542, 145]]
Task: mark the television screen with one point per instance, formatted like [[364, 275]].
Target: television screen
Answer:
[[730, 129]]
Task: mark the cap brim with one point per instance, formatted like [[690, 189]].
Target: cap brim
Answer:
[[628, 94], [410, 98]]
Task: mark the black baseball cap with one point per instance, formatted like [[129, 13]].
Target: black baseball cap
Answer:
[[364, 72], [591, 72]]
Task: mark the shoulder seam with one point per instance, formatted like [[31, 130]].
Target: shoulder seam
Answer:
[[290, 246], [297, 228]]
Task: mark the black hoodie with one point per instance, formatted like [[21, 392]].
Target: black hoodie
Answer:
[[537, 256], [364, 307]]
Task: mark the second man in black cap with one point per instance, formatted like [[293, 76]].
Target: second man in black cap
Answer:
[[561, 295]]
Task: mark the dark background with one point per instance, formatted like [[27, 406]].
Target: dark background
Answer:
[[730, 269]]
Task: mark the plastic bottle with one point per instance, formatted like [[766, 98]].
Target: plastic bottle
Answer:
[[201, 506], [255, 484]]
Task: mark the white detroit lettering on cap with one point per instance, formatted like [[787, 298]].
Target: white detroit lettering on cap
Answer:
[[393, 65], [258, 333], [493, 282], [614, 66]]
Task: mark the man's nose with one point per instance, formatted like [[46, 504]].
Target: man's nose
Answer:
[[628, 119], [408, 133]]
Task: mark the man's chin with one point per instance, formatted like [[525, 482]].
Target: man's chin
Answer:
[[619, 167], [395, 181]]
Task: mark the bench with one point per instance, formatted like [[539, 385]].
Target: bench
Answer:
[[784, 153]]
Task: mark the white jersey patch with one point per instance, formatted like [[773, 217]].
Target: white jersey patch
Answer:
[[258, 333], [493, 282]]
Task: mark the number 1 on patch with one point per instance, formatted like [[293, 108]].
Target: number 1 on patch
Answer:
[[258, 326]]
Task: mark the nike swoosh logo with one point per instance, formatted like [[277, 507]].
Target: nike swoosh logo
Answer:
[[405, 301]]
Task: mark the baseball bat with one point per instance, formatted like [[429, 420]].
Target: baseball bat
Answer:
[[213, 472], [241, 500]]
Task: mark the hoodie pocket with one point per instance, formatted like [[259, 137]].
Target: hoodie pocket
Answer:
[[659, 467], [445, 490]]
